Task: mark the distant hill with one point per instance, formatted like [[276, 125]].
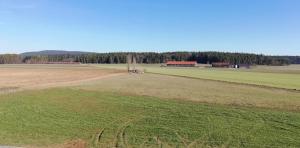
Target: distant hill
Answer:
[[53, 52]]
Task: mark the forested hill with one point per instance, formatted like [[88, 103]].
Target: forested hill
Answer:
[[148, 57], [54, 52]]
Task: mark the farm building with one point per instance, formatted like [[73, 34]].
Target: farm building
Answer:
[[220, 64], [182, 63]]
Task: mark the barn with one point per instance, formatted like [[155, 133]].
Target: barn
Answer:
[[181, 63], [221, 64]]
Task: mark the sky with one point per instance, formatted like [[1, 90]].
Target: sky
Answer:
[[269, 27]]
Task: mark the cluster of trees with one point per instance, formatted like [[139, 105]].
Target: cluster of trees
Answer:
[[151, 58], [10, 59], [47, 59]]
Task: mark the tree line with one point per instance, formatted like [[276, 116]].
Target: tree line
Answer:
[[10, 59], [153, 58]]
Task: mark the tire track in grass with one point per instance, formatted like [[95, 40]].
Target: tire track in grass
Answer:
[[160, 143], [96, 139], [120, 138]]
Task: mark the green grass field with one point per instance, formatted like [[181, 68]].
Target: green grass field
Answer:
[[55, 115], [284, 77], [153, 110]]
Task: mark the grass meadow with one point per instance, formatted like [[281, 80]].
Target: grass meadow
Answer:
[[150, 110], [53, 116], [271, 76]]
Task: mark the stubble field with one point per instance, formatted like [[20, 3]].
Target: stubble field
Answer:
[[20, 77]]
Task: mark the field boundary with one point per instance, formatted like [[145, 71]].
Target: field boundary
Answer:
[[229, 82]]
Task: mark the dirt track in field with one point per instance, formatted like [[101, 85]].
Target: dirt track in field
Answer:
[[20, 77]]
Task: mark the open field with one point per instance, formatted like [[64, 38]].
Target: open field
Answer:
[[92, 106], [290, 69], [274, 76], [50, 117], [15, 77], [198, 90]]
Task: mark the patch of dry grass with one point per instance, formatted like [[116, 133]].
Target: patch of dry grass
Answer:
[[171, 87], [19, 77]]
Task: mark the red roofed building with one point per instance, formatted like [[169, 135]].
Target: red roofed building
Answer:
[[182, 63]]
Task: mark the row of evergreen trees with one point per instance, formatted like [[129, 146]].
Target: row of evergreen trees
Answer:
[[10, 59], [151, 58], [200, 57]]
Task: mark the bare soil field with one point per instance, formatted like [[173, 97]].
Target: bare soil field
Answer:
[[19, 77]]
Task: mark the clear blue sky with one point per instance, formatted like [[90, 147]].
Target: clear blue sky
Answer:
[[258, 26]]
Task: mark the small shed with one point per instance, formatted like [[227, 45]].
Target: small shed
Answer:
[[181, 63]]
